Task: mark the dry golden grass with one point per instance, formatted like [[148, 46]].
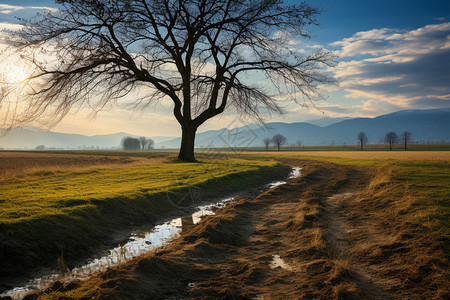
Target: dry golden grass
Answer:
[[22, 163], [423, 174], [369, 155]]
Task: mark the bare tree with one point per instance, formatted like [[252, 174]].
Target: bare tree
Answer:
[[278, 140], [406, 138], [299, 143], [391, 138], [267, 142], [143, 141], [362, 139], [198, 54], [150, 144], [146, 143]]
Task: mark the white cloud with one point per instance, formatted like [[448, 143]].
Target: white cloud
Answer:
[[10, 26], [389, 41], [398, 69], [8, 9], [5, 40]]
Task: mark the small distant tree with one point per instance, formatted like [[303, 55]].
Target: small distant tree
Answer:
[[278, 140], [131, 143], [362, 139], [299, 143], [146, 143], [143, 141], [391, 138], [150, 144], [267, 142], [406, 138], [40, 148]]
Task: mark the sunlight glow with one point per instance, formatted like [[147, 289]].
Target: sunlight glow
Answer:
[[12, 73]]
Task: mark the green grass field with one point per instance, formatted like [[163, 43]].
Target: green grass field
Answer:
[[56, 208], [59, 192]]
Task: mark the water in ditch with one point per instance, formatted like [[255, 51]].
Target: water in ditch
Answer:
[[138, 244]]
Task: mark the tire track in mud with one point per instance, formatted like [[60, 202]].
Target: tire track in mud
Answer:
[[287, 254]]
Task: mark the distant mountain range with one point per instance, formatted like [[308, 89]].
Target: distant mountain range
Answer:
[[22, 138], [325, 121], [425, 126]]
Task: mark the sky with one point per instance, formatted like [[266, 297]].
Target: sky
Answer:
[[393, 55]]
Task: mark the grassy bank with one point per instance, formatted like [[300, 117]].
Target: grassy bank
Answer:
[[46, 213], [45, 193]]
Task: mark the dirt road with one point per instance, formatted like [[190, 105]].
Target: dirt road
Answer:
[[323, 235]]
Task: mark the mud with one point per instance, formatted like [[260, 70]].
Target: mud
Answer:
[[323, 235]]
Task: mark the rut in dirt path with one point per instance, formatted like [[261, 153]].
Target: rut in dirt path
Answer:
[[341, 247]]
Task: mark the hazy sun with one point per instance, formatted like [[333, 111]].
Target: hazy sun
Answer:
[[11, 73]]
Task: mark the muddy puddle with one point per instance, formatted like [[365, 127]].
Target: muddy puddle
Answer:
[[138, 244]]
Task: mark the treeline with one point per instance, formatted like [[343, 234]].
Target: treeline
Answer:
[[391, 139]]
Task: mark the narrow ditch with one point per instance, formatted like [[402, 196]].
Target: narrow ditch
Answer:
[[138, 244]]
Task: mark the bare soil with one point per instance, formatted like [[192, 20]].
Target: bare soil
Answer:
[[338, 236]]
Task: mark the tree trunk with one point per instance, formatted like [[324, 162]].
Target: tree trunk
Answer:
[[187, 144], [361, 146]]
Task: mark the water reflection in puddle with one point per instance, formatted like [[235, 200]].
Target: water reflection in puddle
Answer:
[[295, 172], [138, 244], [277, 261]]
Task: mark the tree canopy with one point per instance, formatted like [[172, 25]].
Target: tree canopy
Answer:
[[130, 143], [279, 140], [391, 138], [362, 139]]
